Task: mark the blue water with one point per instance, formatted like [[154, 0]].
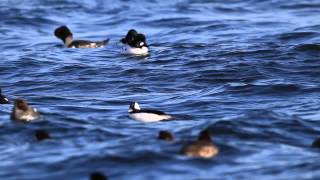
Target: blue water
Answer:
[[247, 70]]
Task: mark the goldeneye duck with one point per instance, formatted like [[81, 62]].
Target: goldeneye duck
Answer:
[[146, 115], [23, 112], [3, 99], [165, 135], [135, 43], [203, 147], [66, 36]]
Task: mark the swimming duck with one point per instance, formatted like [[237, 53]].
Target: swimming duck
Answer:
[[3, 99], [165, 135], [41, 134], [146, 115], [64, 33], [135, 43], [203, 147], [23, 112]]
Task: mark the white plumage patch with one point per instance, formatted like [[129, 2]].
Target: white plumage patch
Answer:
[[28, 117], [137, 51], [136, 106], [149, 117], [95, 45]]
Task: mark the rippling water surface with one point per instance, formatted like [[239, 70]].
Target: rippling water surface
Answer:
[[248, 70]]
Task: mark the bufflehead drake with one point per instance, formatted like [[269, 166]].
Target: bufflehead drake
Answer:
[[3, 99], [203, 147], [23, 112], [66, 36], [146, 115], [135, 43]]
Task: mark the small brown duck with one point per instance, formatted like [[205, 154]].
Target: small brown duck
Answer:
[[23, 112], [203, 147], [165, 135], [41, 135]]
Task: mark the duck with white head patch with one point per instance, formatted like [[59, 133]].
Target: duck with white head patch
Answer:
[[146, 115], [23, 112], [135, 43], [64, 33], [3, 99]]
